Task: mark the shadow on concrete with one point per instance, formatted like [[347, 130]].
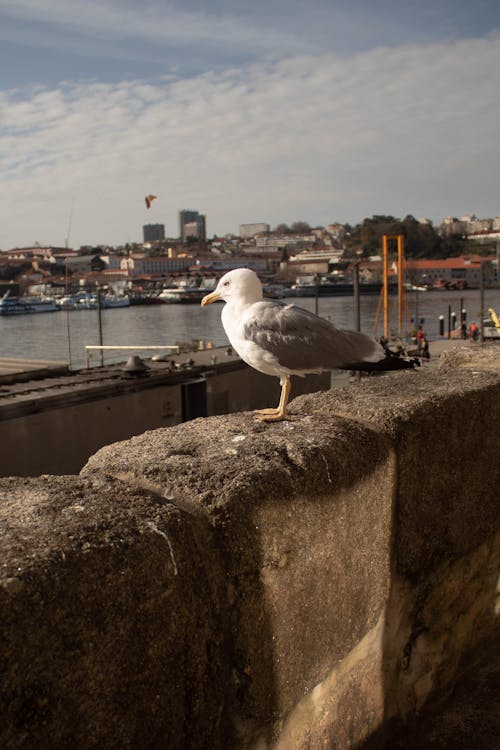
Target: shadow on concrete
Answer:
[[468, 718]]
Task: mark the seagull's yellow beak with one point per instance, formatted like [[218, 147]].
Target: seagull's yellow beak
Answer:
[[209, 298]]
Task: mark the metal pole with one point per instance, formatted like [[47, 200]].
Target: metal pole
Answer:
[[498, 263], [99, 318], [357, 308], [68, 331], [385, 287], [400, 281], [481, 303]]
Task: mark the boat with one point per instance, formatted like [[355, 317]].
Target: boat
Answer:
[[114, 300], [88, 301], [67, 302], [40, 304], [308, 287], [185, 292], [26, 305], [181, 295], [11, 306], [85, 301], [274, 291], [416, 287]]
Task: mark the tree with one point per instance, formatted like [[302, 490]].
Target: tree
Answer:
[[300, 227], [421, 240], [282, 229]]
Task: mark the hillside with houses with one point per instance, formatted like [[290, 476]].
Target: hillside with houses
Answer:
[[449, 256]]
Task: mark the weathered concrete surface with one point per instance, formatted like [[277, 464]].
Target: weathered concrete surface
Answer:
[[286, 501], [334, 569], [294, 510], [468, 718], [110, 628], [445, 426]]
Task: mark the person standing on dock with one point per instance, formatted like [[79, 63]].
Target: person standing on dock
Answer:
[[473, 332], [420, 340]]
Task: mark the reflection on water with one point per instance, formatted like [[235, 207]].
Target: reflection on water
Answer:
[[45, 336]]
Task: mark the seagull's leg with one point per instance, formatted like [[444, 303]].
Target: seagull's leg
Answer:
[[279, 414]]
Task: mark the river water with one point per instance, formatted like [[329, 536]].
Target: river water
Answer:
[[64, 335]]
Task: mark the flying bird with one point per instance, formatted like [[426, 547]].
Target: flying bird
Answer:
[[283, 340], [149, 199]]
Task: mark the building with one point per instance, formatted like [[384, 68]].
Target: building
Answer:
[[46, 252], [140, 265], [222, 265], [321, 260], [464, 270], [192, 224], [250, 230], [153, 232]]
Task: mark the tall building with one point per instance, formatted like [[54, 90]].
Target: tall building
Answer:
[[153, 232], [192, 224]]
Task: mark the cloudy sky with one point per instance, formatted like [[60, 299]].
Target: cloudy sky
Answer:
[[270, 110]]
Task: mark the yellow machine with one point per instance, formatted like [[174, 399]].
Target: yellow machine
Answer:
[[495, 318]]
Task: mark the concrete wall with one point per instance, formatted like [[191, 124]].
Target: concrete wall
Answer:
[[229, 584]]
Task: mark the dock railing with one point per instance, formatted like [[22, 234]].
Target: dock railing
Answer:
[[89, 349]]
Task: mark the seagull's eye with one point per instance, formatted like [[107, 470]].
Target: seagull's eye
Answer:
[[226, 283]]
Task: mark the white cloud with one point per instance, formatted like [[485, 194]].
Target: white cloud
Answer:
[[153, 22], [320, 138]]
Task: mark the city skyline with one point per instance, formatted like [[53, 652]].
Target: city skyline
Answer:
[[321, 113]]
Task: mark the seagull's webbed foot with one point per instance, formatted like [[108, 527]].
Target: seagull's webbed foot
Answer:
[[274, 415], [279, 413]]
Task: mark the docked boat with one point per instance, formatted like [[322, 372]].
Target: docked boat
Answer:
[[114, 300], [67, 302], [274, 291], [26, 305], [186, 293], [323, 288], [88, 301], [40, 304]]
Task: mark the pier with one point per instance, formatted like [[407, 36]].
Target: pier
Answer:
[[15, 370]]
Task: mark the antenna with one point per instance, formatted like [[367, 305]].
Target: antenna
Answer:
[[70, 221]]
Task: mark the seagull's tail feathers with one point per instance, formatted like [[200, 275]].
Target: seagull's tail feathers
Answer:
[[391, 361]]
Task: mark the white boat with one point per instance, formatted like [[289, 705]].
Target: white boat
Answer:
[[181, 295], [186, 293], [416, 287], [11, 306], [67, 302], [114, 300], [26, 305], [86, 301], [40, 304]]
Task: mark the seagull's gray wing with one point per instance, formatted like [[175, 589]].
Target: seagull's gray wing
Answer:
[[301, 340]]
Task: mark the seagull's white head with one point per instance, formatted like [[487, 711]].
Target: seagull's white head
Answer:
[[242, 285]]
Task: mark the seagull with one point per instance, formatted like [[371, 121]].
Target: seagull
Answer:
[[282, 340], [149, 199]]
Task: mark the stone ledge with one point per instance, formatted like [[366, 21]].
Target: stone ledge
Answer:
[[195, 583], [111, 626]]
